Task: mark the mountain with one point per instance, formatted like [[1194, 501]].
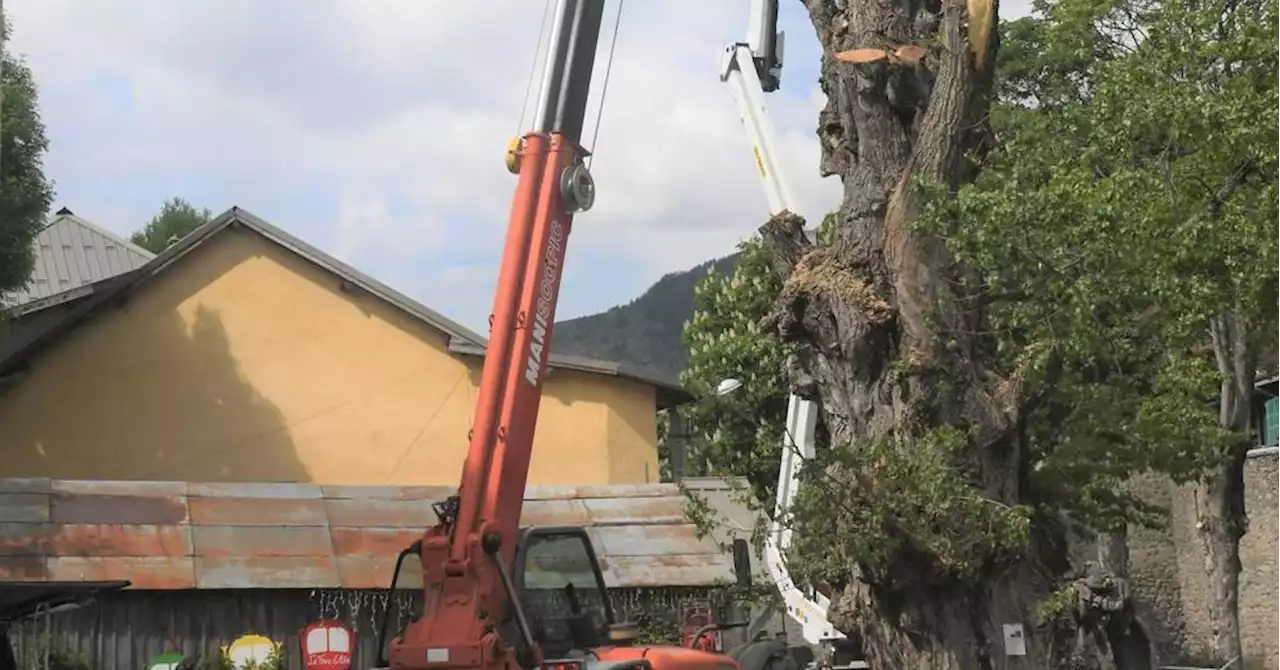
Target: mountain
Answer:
[[646, 332]]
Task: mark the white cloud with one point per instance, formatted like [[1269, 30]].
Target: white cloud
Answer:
[[394, 115]]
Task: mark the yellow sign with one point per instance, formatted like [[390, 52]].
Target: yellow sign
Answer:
[[250, 648]]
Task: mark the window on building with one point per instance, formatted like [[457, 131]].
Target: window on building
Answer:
[[1271, 422]]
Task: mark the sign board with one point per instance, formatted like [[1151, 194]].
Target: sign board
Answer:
[[1014, 643], [326, 645], [250, 649], [170, 660]]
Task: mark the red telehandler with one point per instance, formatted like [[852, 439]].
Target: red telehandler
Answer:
[[494, 596]]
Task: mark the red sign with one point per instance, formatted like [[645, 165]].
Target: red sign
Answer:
[[326, 645]]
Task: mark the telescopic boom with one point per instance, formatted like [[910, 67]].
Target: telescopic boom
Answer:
[[467, 557]]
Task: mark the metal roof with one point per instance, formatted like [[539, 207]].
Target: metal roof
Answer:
[[71, 252], [462, 340], [180, 535]]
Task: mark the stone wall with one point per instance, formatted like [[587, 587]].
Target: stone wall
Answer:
[[1169, 580]]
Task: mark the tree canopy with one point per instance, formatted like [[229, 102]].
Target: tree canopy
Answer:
[[1124, 228], [1116, 255], [175, 220], [25, 193], [738, 432]]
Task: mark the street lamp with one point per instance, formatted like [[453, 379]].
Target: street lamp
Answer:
[[728, 385]]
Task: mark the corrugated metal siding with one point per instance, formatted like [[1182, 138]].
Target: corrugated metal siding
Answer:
[[177, 535], [122, 631], [72, 252]]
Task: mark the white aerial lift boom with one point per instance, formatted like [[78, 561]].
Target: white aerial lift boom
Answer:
[[752, 68]]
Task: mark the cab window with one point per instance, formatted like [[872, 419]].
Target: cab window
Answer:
[[562, 594], [404, 602]]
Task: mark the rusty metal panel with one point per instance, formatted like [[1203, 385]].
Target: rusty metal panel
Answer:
[[615, 511], [256, 512], [114, 487], [554, 513], [143, 572], [104, 508], [566, 491], [551, 492], [23, 569], [119, 540], [380, 513], [650, 541], [267, 536], [352, 492], [24, 507], [152, 572], [627, 491], [372, 542], [24, 539], [75, 569], [252, 490], [281, 572], [255, 541], [356, 572], [26, 485], [661, 571]]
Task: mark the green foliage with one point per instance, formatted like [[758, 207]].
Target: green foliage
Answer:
[[658, 627], [47, 654], [1059, 604], [25, 193], [660, 621], [1131, 198], [272, 662], [827, 229], [176, 219], [887, 505], [217, 661], [741, 432], [1128, 200], [220, 661]]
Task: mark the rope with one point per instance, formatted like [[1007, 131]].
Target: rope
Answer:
[[533, 66], [604, 87]]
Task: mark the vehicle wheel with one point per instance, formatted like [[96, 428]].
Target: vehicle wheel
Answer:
[[764, 655]]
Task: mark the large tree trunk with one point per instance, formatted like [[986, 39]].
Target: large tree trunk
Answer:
[[890, 322], [1220, 510], [1121, 636]]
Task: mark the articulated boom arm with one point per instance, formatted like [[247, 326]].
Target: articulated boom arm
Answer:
[[467, 557], [752, 68]]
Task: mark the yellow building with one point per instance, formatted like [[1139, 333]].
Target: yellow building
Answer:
[[243, 354]]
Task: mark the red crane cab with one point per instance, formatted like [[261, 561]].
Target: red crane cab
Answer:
[[562, 598]]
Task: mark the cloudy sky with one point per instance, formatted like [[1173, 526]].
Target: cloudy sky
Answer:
[[375, 129]]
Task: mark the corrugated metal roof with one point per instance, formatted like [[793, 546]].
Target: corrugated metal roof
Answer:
[[71, 252], [177, 535]]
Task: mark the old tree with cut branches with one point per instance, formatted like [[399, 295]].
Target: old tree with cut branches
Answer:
[[872, 306], [992, 360]]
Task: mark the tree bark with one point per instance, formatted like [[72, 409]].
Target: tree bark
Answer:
[[890, 323], [1111, 635], [1221, 519]]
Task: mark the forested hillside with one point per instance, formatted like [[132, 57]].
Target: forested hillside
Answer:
[[645, 332]]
